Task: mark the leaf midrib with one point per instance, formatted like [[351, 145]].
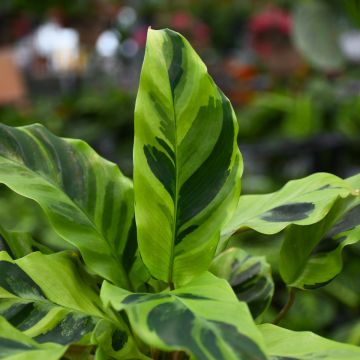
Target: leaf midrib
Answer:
[[176, 193]]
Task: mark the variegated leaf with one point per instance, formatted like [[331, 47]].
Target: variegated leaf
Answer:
[[311, 256], [303, 202], [283, 344], [51, 299], [187, 165], [249, 276], [14, 345], [87, 199], [43, 296], [204, 319]]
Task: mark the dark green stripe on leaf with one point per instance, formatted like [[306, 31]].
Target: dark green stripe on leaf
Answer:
[[175, 69], [71, 329], [11, 347], [129, 254], [140, 298], [206, 182], [348, 222], [4, 247], [318, 285], [167, 125], [209, 340], [32, 318], [119, 339], [331, 242], [192, 296], [14, 280], [66, 160], [185, 232], [162, 167], [327, 245], [167, 148], [174, 323], [176, 326], [289, 212], [246, 276], [242, 346], [257, 295], [16, 144], [18, 313]]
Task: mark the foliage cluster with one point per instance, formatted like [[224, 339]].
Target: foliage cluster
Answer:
[[152, 275]]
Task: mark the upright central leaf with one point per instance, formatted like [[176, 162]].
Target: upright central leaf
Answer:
[[187, 165]]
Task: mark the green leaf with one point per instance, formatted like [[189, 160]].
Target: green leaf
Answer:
[[16, 244], [48, 297], [187, 165], [317, 35], [310, 256], [249, 276], [283, 344], [16, 345], [87, 199], [204, 318], [303, 202], [52, 300]]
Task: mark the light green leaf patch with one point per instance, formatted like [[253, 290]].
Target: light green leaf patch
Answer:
[[283, 344], [249, 276], [203, 318], [187, 164], [303, 202], [86, 198]]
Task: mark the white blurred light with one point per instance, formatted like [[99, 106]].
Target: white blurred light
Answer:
[[129, 48], [66, 50], [46, 38], [126, 17], [107, 43], [350, 45], [59, 45]]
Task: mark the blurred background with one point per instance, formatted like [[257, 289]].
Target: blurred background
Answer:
[[290, 68]]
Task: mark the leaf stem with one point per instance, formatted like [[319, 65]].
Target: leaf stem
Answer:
[[178, 355], [287, 306], [155, 354]]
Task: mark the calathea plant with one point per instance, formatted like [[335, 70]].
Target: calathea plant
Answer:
[[150, 275]]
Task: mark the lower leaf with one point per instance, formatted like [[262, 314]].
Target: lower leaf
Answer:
[[16, 345], [51, 299], [249, 276], [283, 344], [204, 319], [311, 256]]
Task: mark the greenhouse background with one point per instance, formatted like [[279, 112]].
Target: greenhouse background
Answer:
[[291, 70]]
